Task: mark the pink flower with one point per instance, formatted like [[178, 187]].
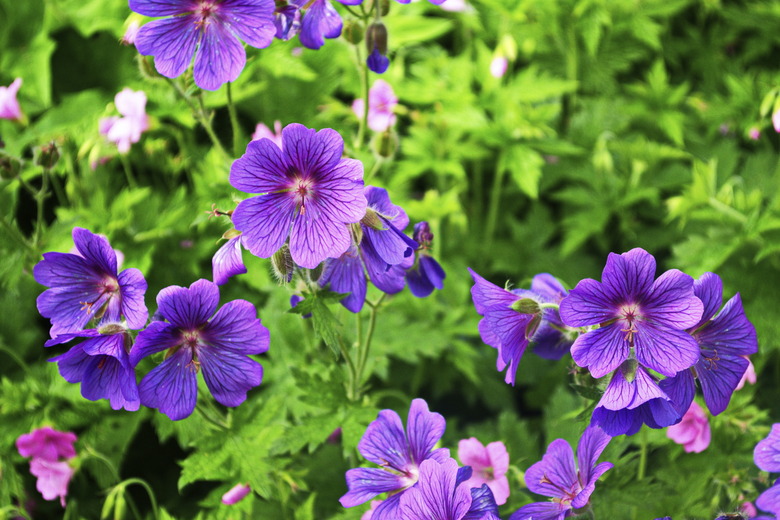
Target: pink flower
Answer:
[[776, 119], [381, 102], [132, 31], [456, 6], [693, 432], [368, 515], [754, 133], [123, 131], [498, 66], [749, 509], [262, 131], [47, 444], [749, 376], [488, 464], [53, 478], [9, 105], [236, 494]]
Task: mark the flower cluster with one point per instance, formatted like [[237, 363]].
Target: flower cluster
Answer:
[[629, 329], [50, 451]]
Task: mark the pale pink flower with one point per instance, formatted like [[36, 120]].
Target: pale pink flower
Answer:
[[123, 131], [236, 494], [693, 432], [749, 509], [749, 376], [53, 478], [262, 131], [776, 119], [9, 105], [456, 6], [368, 515], [754, 133], [47, 444], [381, 102], [132, 31], [498, 66], [489, 465]]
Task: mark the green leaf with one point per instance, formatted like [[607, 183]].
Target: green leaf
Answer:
[[525, 167]]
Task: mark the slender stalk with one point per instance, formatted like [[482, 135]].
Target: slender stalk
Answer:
[[365, 347], [199, 111], [363, 66], [237, 138], [128, 171], [352, 390], [220, 425], [495, 201], [40, 197], [374, 169], [149, 492], [99, 456], [642, 455]]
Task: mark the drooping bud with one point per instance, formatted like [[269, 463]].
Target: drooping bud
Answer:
[[376, 44], [527, 306], [283, 265], [372, 220], [385, 144], [422, 234], [47, 155], [353, 31], [9, 166]]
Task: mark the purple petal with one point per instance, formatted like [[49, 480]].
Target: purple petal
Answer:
[[390, 280], [236, 327], [730, 332], [379, 200], [345, 275], [672, 302], [171, 41], [377, 62], [340, 195], [483, 504], [311, 152], [541, 511], [158, 336], [418, 282], [161, 7], [592, 443], [424, 429], [172, 387], [107, 377], [315, 237], [229, 375], [388, 509], [320, 21], [601, 350], [681, 388], [709, 289], [95, 249], [719, 378], [587, 304], [548, 287], [619, 422], [366, 483], [220, 57], [132, 286], [767, 452], [486, 294], [384, 442], [264, 222], [664, 350], [64, 338], [582, 498], [433, 271], [555, 474], [261, 169], [769, 500], [628, 277], [435, 495], [250, 20], [189, 308], [227, 261]]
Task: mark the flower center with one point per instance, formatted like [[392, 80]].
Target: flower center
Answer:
[[204, 10], [629, 314], [302, 191]]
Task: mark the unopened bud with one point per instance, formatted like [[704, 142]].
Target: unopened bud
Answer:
[[111, 328], [353, 31], [283, 265], [146, 67], [526, 306], [231, 233], [385, 144], [384, 7], [9, 166], [47, 155], [372, 220], [376, 38]]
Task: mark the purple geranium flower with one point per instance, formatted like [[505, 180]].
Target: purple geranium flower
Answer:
[[212, 30], [723, 340], [631, 399], [47, 443], [101, 364], [556, 476], [636, 315], [307, 192], [443, 494], [195, 340], [384, 251], [767, 457], [400, 454], [86, 285], [426, 274]]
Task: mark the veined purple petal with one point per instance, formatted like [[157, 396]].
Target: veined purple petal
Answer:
[[486, 294], [345, 275], [171, 41], [64, 338], [315, 237], [311, 152], [366, 483], [388, 244], [590, 447], [64, 270], [340, 195], [220, 56], [132, 287], [236, 328], [95, 249], [227, 261], [628, 277], [540, 510], [250, 20], [379, 200], [189, 307], [229, 375], [161, 7], [769, 500], [388, 509], [719, 378], [390, 280], [555, 474], [320, 21], [107, 377], [172, 387], [158, 336], [665, 350], [261, 169], [582, 498], [587, 304], [264, 222], [730, 332], [73, 364], [436, 497], [672, 302], [384, 442], [433, 271], [601, 350], [680, 388], [483, 504], [709, 289], [767, 452], [618, 422], [424, 429], [548, 287]]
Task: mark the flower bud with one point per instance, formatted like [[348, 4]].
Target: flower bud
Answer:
[[384, 7], [47, 155], [527, 306], [353, 31], [283, 265], [376, 38], [9, 166], [385, 144], [372, 220]]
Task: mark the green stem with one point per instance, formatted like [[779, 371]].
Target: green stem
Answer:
[[199, 111], [40, 197], [642, 455], [149, 492], [495, 201], [374, 169], [128, 171], [352, 384], [365, 347], [220, 425], [237, 137], [363, 66], [90, 452]]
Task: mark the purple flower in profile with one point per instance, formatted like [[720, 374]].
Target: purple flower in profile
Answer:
[[123, 131], [9, 105], [426, 274], [212, 30], [767, 457], [287, 19], [723, 341], [47, 443], [195, 340], [320, 21], [381, 102], [384, 252], [636, 314], [307, 192], [559, 477], [86, 285], [399, 453], [227, 261], [101, 364], [631, 399], [442, 493]]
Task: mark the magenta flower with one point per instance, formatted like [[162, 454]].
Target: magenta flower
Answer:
[[754, 133], [262, 131], [212, 30], [236, 494], [381, 102], [693, 432], [308, 193], [767, 457], [637, 316], [86, 285], [196, 339], [489, 465], [557, 476], [126, 130], [9, 105], [398, 453], [47, 444]]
